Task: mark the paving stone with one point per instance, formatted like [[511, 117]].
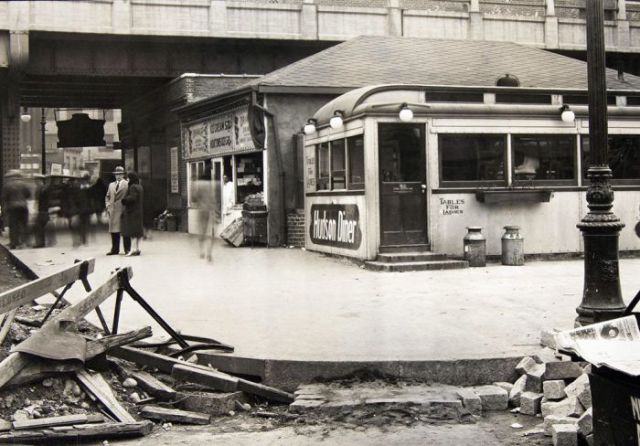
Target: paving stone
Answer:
[[548, 338], [534, 379], [530, 403], [559, 408], [585, 397], [554, 390], [504, 385], [492, 397], [527, 363], [577, 386], [470, 400], [545, 355], [554, 419], [585, 422], [518, 388], [217, 403], [301, 406], [563, 370], [564, 435]]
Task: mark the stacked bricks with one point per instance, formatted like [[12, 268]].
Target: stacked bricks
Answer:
[[295, 228], [557, 389]]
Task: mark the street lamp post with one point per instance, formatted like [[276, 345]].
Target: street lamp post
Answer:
[[601, 299], [43, 124]]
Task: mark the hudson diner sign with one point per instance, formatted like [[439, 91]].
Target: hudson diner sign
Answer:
[[335, 225]]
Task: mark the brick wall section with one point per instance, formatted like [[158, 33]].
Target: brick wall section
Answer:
[[295, 228]]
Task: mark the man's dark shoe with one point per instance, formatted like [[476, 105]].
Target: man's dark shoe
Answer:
[[112, 253]]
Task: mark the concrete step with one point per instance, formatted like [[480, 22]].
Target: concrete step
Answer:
[[410, 257], [416, 266], [404, 248]]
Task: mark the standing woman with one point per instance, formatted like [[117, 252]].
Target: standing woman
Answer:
[[132, 217]]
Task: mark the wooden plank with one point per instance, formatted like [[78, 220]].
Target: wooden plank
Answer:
[[210, 378], [98, 346], [39, 368], [174, 415], [64, 420], [153, 386], [11, 365], [98, 387], [77, 433], [266, 392], [6, 324], [23, 294], [141, 357]]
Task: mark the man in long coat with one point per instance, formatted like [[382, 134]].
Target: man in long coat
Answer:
[[113, 200]]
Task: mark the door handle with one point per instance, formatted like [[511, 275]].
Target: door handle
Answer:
[[423, 187]]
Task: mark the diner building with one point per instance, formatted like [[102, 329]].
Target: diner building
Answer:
[[408, 142]]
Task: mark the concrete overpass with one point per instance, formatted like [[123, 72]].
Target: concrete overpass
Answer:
[[104, 53]]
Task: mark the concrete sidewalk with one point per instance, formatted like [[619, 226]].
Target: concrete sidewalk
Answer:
[[290, 304]]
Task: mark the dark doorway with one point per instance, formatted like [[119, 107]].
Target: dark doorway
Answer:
[[403, 212]]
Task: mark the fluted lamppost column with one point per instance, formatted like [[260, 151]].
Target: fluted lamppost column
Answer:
[[601, 299]]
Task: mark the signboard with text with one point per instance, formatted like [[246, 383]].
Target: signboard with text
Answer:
[[222, 134], [335, 225], [175, 183]]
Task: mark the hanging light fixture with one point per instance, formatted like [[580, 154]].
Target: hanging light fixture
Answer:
[[24, 115], [336, 121], [566, 114], [406, 114], [310, 127]]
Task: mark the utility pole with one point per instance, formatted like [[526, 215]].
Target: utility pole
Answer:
[[43, 124], [601, 299]]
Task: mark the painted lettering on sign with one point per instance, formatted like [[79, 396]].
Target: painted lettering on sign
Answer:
[[335, 225], [452, 206]]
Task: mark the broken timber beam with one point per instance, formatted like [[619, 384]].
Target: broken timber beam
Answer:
[[153, 386], [15, 362], [174, 415], [141, 357], [64, 420], [38, 369], [28, 292], [100, 389], [77, 433], [210, 378], [98, 346]]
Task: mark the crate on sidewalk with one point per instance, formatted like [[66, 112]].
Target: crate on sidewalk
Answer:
[[234, 233]]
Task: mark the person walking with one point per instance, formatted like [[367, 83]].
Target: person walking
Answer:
[[132, 217], [203, 198], [15, 194], [42, 197], [113, 205]]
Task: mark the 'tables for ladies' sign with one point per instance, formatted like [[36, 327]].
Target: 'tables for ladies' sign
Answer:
[[335, 225]]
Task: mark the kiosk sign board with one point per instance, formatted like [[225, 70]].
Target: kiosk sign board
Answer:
[[336, 225]]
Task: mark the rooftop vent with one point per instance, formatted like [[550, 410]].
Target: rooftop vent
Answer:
[[508, 80]]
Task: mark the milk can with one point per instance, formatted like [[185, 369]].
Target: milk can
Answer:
[[475, 246], [512, 246]]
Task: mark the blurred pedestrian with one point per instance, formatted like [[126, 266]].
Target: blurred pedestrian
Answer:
[[85, 207], [203, 198], [113, 204], [132, 217], [71, 202], [42, 205], [97, 192], [15, 194]]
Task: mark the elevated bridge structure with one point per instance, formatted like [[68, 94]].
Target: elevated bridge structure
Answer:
[[105, 53]]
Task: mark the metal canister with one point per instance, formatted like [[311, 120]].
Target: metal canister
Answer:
[[512, 246], [475, 246]]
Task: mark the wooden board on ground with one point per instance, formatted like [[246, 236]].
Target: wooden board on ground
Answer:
[[98, 346], [266, 392], [142, 357], [63, 420], [153, 386], [28, 292], [39, 368], [210, 378], [77, 433], [6, 324], [174, 415], [96, 385]]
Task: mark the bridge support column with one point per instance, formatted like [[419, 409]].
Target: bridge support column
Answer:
[[218, 17], [309, 20], [394, 18], [121, 16], [551, 39], [9, 128]]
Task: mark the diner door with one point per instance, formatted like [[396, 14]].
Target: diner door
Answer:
[[402, 170], [216, 177]]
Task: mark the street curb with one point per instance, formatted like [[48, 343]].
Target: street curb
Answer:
[[289, 374], [23, 267]]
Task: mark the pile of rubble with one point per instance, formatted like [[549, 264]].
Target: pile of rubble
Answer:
[[63, 379]]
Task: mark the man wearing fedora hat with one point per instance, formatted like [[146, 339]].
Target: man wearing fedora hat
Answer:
[[115, 193], [15, 194]]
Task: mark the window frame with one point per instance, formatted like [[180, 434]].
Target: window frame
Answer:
[[585, 165], [347, 165], [556, 182]]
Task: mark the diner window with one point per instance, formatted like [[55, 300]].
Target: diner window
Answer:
[[340, 164], [355, 151], [338, 168], [323, 166], [543, 158], [624, 158], [472, 159]]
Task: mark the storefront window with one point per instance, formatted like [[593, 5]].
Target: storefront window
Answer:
[[338, 168], [355, 150], [323, 166], [624, 158], [248, 175], [472, 159], [543, 158]]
